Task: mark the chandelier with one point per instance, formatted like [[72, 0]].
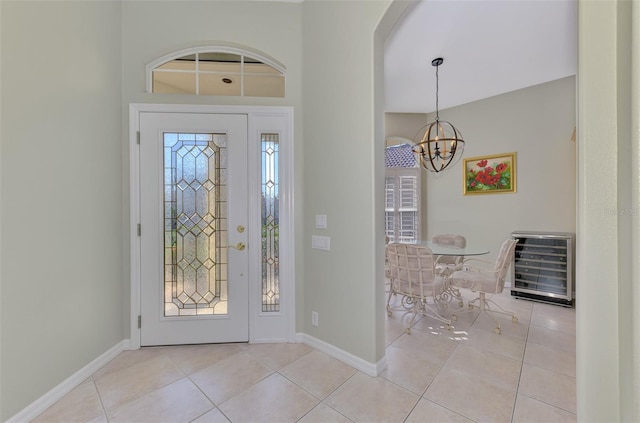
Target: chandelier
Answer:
[[438, 144]]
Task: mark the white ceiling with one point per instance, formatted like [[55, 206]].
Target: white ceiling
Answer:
[[489, 47]]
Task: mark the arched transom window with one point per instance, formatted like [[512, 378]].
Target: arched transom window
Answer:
[[223, 70]]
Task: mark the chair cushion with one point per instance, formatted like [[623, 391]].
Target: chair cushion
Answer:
[[431, 289], [483, 280], [475, 281]]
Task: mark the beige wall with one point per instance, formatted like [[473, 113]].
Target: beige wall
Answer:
[[404, 125], [536, 123], [61, 159], [338, 178]]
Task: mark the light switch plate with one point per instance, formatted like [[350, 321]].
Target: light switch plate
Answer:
[[321, 221]]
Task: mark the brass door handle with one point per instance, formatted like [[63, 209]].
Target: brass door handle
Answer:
[[239, 246]]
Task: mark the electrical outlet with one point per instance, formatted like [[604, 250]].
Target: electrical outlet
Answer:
[[314, 318]]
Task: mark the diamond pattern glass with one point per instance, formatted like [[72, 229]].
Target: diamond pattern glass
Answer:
[[270, 224], [195, 224]]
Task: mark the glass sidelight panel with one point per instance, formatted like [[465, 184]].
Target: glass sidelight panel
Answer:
[[195, 224], [270, 224]]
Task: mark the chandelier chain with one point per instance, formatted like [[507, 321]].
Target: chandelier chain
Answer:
[[437, 91]]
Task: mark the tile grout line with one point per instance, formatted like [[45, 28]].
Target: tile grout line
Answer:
[[104, 411], [524, 353], [320, 400], [215, 406], [550, 405], [138, 398], [458, 344]]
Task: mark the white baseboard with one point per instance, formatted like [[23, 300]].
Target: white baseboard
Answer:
[[36, 408], [269, 341], [366, 367]]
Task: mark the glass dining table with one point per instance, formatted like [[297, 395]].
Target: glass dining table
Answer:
[[445, 270], [451, 250]]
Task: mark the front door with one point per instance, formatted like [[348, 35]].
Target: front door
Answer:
[[194, 225]]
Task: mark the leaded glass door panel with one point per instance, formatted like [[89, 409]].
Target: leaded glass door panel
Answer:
[[194, 263]]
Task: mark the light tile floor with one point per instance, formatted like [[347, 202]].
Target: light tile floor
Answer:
[[468, 374]]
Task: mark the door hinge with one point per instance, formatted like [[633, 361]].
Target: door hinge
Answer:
[[139, 322], [139, 229], [138, 137]]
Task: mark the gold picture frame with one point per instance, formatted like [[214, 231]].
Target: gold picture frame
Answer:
[[489, 174]]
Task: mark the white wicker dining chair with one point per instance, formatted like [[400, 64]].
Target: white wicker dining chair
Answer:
[[413, 276], [486, 281]]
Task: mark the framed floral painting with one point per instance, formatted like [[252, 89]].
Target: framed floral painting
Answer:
[[490, 174]]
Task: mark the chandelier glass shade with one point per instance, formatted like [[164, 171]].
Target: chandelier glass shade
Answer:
[[438, 144]]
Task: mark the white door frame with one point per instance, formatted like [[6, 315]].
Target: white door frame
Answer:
[[263, 327]]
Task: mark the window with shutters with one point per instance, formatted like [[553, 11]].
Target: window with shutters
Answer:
[[402, 195]]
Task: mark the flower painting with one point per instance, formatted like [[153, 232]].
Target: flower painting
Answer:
[[490, 174]]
